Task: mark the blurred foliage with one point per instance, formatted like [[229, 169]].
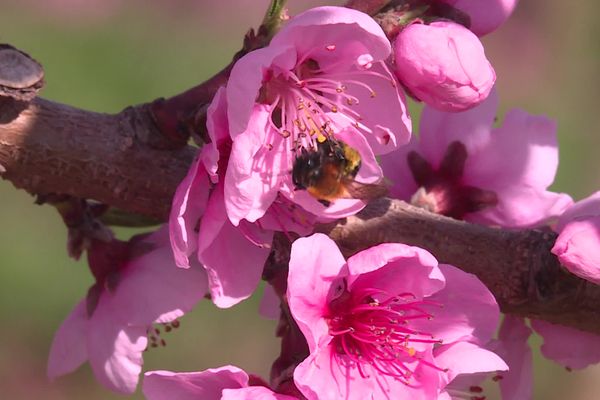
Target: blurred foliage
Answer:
[[106, 55]]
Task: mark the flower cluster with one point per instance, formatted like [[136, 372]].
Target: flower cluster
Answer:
[[304, 132]]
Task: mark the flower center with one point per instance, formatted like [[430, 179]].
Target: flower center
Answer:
[[303, 97], [442, 191], [367, 331]]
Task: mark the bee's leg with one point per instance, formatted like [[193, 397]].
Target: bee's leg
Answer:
[[326, 203]]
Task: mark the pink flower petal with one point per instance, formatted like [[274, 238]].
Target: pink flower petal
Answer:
[[350, 32], [472, 128], [524, 150], [152, 289], [467, 358], [315, 263], [204, 385], [232, 275], [189, 204], [521, 207], [517, 382], [396, 268], [590, 206], [469, 313], [246, 79], [569, 347], [69, 349], [115, 350], [255, 170], [217, 126]]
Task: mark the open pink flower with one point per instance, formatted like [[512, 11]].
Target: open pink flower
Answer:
[[199, 226], [225, 383], [390, 323], [444, 65], [485, 15], [110, 327], [578, 244], [322, 76], [462, 167]]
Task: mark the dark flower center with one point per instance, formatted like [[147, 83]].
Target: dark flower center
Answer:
[[442, 190]]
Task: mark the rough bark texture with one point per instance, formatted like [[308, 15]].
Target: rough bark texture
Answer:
[[46, 147]]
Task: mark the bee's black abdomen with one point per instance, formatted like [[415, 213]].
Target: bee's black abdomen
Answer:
[[307, 169]]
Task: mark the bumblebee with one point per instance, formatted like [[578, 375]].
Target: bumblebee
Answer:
[[328, 171]]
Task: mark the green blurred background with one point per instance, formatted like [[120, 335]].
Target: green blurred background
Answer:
[[106, 55]]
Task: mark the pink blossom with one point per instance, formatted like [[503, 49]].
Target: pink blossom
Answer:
[[517, 382], [569, 347], [444, 65], [199, 226], [462, 167], [224, 383], [137, 286], [578, 243], [388, 323], [485, 15], [323, 76]]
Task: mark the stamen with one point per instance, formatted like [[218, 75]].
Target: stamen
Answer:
[[301, 98], [369, 327]]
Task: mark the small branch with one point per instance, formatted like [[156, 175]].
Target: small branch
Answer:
[[517, 266]]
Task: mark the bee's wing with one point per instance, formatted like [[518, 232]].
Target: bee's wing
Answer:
[[365, 191]]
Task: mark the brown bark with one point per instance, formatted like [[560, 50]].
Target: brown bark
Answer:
[[46, 147]]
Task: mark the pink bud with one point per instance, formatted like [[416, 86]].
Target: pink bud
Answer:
[[444, 65], [486, 15], [578, 247]]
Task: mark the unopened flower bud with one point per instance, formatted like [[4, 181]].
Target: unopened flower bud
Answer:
[[577, 247], [444, 65]]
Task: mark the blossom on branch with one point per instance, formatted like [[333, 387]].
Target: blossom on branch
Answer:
[[462, 167], [137, 286], [323, 77], [233, 256], [388, 323]]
